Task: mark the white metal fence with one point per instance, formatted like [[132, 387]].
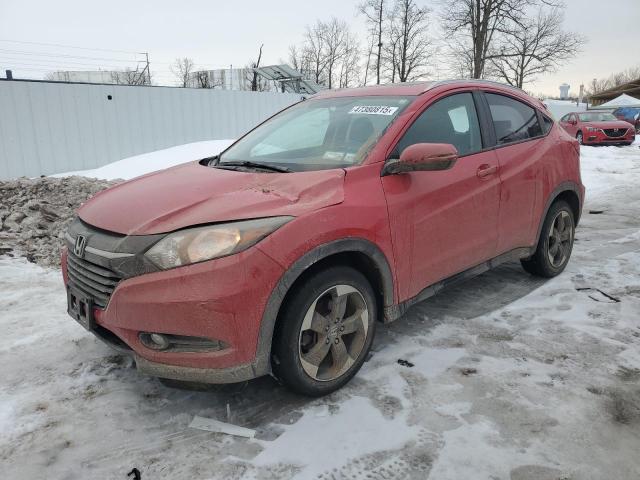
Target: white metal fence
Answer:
[[48, 127]]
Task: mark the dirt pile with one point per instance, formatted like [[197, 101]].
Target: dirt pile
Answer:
[[34, 214]]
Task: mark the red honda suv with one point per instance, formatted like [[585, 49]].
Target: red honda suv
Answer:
[[279, 255]]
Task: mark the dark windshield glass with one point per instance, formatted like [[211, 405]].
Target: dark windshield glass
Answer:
[[596, 117], [319, 134]]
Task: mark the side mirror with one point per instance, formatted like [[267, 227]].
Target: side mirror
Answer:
[[422, 157], [573, 122]]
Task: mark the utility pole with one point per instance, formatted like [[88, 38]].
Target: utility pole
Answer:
[[146, 54]]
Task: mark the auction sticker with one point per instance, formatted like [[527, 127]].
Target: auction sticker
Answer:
[[374, 110]]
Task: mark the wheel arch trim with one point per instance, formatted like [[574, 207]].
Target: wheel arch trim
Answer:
[[567, 186], [262, 362]]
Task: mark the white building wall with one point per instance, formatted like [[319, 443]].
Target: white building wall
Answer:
[[50, 128], [92, 76]]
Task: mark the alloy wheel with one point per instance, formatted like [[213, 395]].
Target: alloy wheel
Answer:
[[560, 239], [579, 138], [333, 332]]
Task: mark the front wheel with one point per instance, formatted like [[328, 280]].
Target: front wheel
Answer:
[[325, 331], [580, 138], [555, 243]]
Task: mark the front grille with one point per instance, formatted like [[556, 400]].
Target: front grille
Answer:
[[615, 132], [94, 280]]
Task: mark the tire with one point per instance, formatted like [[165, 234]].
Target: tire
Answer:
[[580, 138], [555, 244], [309, 344]]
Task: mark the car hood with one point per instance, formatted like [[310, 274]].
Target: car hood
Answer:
[[192, 194], [609, 124]]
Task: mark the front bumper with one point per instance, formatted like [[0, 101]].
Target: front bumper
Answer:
[[222, 300], [600, 138]]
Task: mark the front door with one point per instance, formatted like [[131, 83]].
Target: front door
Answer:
[[443, 222], [569, 123]]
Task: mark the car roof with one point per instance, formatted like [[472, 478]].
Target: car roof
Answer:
[[411, 88]]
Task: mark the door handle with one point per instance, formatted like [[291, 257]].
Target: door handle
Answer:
[[485, 170]]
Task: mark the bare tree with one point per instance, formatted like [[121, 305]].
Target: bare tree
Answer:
[[336, 37], [375, 14], [313, 51], [182, 68], [472, 26], [329, 55], [598, 85], [409, 44], [205, 79], [296, 59], [255, 84], [131, 77], [350, 63], [533, 46]]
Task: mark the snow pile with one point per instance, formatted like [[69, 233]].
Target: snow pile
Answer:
[[149, 162], [34, 214]]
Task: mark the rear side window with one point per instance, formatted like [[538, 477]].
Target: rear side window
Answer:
[[513, 120], [450, 120]]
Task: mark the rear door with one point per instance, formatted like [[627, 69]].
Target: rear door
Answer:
[[520, 147], [443, 222]]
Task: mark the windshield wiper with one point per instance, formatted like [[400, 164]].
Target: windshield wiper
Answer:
[[250, 164]]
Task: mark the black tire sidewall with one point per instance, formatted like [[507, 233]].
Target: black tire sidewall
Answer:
[[286, 364], [542, 258]]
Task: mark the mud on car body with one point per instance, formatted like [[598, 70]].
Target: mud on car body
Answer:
[[280, 255]]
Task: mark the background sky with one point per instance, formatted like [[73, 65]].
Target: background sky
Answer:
[[217, 34]]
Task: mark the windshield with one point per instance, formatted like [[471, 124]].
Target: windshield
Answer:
[[596, 117], [318, 134]]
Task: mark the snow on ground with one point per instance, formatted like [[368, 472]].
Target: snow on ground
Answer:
[[514, 378], [149, 162]]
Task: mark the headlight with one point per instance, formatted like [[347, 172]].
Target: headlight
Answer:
[[213, 241], [592, 129]]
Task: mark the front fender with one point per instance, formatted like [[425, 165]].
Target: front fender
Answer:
[[289, 277]]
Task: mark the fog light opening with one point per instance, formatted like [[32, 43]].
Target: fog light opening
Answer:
[[155, 341]]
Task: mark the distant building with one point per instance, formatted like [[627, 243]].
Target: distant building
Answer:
[[111, 77], [564, 91], [226, 79], [90, 76]]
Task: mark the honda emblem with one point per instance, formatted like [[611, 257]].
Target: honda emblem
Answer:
[[78, 248]]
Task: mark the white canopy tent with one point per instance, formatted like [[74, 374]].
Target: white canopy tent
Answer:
[[623, 100]]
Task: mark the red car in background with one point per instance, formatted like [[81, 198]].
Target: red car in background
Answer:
[[598, 128], [281, 254]]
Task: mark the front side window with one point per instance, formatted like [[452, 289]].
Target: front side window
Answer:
[[319, 134], [451, 120], [513, 120]]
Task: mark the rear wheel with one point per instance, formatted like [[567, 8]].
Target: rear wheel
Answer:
[[580, 138], [555, 244], [325, 331]]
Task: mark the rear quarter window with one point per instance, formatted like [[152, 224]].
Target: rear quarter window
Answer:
[[547, 123]]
